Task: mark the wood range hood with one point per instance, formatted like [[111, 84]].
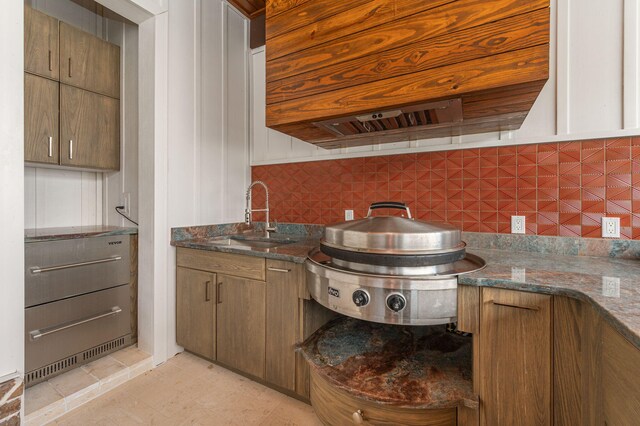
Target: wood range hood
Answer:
[[364, 72]]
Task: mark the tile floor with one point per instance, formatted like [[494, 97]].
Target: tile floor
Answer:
[[187, 390], [61, 394]]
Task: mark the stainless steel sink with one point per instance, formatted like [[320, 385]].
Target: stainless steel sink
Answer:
[[251, 241]]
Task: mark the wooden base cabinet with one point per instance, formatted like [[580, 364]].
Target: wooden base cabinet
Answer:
[[196, 311], [241, 329], [515, 358]]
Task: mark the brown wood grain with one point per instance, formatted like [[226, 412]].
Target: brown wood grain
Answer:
[[240, 333], [446, 19], [249, 8], [328, 22], [276, 7], [468, 308], [88, 62], [92, 122], [620, 373], [495, 102], [224, 263], [41, 119], [41, 53], [306, 14], [568, 354], [514, 33], [511, 68], [312, 317], [196, 311], [336, 407], [515, 358], [282, 327]]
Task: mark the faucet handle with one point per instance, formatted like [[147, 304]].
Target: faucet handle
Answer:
[[270, 228]]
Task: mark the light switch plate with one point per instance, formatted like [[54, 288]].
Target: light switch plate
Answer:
[[518, 224], [610, 227], [125, 200], [348, 215]]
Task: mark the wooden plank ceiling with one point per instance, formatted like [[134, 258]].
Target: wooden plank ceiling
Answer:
[[249, 8]]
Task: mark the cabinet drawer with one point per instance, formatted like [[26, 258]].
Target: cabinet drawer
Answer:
[[56, 270], [57, 330], [225, 263], [336, 407]]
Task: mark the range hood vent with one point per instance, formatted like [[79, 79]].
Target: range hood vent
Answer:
[[415, 117]]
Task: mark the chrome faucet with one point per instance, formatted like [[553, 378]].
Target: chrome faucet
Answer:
[[248, 211]]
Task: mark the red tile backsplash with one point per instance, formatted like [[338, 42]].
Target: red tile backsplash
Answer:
[[562, 188]]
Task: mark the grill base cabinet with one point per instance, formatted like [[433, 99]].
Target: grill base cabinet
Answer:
[[542, 360]]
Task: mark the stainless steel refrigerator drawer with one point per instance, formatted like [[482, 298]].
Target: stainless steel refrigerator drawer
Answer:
[[59, 269], [60, 329]]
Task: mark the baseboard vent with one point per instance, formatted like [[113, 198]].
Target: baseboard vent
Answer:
[[77, 360]]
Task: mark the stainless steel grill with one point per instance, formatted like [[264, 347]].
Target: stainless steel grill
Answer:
[[390, 269]]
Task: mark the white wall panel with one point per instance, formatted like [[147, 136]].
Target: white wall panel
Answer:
[[593, 89]]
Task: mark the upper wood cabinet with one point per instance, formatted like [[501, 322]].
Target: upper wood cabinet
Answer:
[[88, 62], [515, 358], [40, 44], [89, 129], [41, 140], [364, 71]]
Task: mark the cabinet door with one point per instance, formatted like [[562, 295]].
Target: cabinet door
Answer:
[[241, 324], [515, 358], [282, 322], [196, 311], [40, 120], [89, 62], [89, 129], [40, 44]]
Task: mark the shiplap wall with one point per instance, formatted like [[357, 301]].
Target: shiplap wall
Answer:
[[56, 197], [593, 90]]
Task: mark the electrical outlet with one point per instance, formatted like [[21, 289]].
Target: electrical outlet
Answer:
[[517, 224], [348, 215], [611, 287], [610, 227], [125, 200], [518, 275]]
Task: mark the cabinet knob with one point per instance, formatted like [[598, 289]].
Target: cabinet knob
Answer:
[[358, 417]]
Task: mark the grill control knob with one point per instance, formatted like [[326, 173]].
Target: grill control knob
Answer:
[[360, 298], [396, 302]]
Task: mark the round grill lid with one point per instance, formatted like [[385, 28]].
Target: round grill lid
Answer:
[[391, 235]]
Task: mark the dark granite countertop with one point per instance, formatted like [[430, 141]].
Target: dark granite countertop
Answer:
[[73, 232], [417, 367], [611, 285]]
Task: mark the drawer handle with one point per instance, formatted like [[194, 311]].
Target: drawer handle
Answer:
[[278, 270], [207, 296], [219, 293], [512, 305], [358, 417], [37, 270], [36, 334]]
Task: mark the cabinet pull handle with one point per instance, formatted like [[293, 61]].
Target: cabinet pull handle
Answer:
[[50, 63], [207, 296], [36, 334], [358, 417], [219, 293], [512, 305], [278, 270], [70, 149], [50, 146], [69, 67]]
